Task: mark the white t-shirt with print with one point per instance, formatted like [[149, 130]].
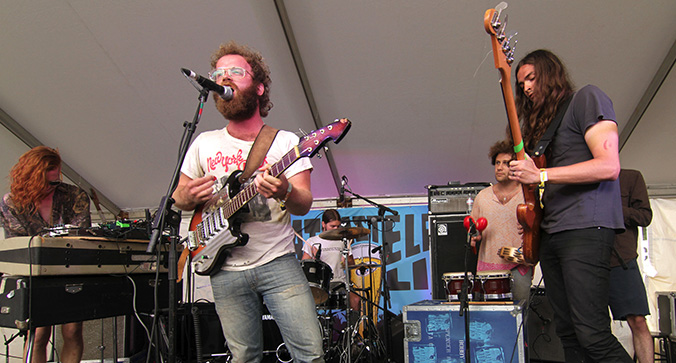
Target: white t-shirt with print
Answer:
[[268, 226]]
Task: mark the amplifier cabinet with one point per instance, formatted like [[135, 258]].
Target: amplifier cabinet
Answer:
[[452, 198], [53, 300], [666, 313], [434, 331], [448, 241]]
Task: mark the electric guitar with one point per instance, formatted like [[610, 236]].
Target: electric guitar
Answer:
[[528, 214], [215, 225]]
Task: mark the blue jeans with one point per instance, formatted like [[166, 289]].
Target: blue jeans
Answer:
[[282, 285], [576, 268]]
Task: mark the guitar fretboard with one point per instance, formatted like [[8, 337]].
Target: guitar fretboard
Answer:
[[250, 191]]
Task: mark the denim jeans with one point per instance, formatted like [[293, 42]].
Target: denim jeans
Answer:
[[282, 285], [576, 268]]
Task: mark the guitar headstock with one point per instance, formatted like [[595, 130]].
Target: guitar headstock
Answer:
[[503, 51], [311, 143]]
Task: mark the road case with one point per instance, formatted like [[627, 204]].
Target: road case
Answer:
[[434, 331]]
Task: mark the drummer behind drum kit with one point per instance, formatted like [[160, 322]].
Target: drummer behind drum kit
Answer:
[[485, 286], [357, 338]]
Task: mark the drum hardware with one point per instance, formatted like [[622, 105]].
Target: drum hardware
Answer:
[[344, 233]]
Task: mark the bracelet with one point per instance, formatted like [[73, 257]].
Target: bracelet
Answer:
[[543, 176], [282, 203]]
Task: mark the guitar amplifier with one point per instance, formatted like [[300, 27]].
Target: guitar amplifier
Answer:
[[452, 198]]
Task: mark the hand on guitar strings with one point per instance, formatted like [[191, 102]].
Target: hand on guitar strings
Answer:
[[269, 186], [524, 171]]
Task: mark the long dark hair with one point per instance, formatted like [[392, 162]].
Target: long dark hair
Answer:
[[552, 85], [330, 215]]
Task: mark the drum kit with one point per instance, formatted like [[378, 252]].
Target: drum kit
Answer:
[[484, 286], [356, 338]]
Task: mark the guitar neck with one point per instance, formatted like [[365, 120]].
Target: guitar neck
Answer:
[[503, 55], [250, 191], [515, 128]]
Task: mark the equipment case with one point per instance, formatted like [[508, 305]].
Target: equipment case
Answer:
[[434, 331], [53, 300]]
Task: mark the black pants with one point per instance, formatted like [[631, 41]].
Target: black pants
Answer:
[[575, 265]]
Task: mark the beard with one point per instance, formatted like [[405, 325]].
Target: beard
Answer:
[[241, 107]]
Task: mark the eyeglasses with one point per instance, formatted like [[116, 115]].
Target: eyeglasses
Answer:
[[232, 72]]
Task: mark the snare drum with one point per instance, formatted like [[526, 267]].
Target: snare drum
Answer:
[[454, 281], [496, 285], [318, 275]]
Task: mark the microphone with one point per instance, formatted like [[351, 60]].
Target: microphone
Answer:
[[224, 91], [318, 255], [376, 249], [343, 181]]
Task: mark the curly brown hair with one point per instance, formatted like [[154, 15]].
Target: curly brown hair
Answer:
[[261, 72], [501, 147], [28, 181], [553, 82]]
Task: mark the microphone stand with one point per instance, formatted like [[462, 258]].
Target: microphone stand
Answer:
[[165, 215], [463, 296], [386, 291]]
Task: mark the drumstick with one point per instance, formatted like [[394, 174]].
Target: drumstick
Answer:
[[302, 239]]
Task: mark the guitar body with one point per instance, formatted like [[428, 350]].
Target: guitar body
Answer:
[[215, 226], [208, 258], [528, 214]]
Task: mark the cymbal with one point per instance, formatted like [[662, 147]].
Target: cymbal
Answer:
[[344, 232]]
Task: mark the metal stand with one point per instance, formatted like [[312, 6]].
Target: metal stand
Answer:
[[166, 216], [386, 298], [348, 308], [463, 296]]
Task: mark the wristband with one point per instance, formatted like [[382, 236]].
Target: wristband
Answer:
[[282, 203], [541, 187]]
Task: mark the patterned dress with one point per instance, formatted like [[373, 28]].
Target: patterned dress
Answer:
[[70, 205]]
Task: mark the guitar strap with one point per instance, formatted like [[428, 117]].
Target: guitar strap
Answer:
[[546, 139], [258, 151]]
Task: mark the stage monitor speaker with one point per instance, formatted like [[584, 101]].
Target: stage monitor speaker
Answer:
[[448, 238]]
